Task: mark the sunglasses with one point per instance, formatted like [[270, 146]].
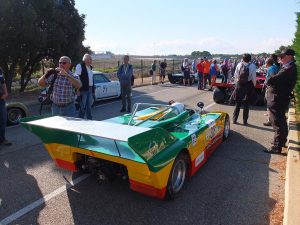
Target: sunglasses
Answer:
[[63, 63]]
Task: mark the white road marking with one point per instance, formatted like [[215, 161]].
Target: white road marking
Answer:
[[210, 105], [60, 190], [41, 201]]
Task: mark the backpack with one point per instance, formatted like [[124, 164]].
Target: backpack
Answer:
[[243, 74], [47, 100], [224, 69]]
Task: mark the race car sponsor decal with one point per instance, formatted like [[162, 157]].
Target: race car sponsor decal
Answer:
[[152, 149], [191, 128], [194, 139], [211, 123], [213, 142], [199, 159], [212, 132]]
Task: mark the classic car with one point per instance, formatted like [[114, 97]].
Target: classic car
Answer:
[[104, 88], [178, 78], [16, 111], [222, 91], [156, 148]]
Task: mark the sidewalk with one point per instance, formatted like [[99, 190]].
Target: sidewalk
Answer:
[[292, 183]]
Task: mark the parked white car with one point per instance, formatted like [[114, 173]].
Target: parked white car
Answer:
[[104, 88]]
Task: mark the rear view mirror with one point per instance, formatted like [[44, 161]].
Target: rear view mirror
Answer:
[[200, 105]]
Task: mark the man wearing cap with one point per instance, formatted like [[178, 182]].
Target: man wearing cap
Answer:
[[280, 87]]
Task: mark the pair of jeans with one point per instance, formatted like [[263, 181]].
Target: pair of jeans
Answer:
[[86, 98], [126, 94], [242, 97], [68, 110], [200, 81], [207, 78], [3, 119], [279, 123]]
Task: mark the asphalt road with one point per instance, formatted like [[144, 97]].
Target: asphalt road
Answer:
[[238, 185]]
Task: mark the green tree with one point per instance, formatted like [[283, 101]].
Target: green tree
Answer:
[[296, 47], [31, 30], [197, 54], [281, 48]]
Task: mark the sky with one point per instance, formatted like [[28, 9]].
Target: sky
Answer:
[[164, 27]]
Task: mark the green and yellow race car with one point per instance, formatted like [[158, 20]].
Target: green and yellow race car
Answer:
[[156, 147]]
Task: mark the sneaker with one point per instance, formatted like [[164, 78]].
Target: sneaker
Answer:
[[245, 123], [122, 110], [268, 124], [273, 150], [6, 143]]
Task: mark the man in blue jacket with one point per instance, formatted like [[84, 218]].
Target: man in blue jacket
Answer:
[[125, 74]]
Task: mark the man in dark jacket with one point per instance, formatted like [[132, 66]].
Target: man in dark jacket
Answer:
[[280, 87], [125, 74]]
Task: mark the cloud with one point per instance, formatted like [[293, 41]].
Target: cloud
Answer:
[[270, 45]]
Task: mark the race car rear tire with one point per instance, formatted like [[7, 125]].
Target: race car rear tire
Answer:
[[219, 95], [177, 176], [226, 128]]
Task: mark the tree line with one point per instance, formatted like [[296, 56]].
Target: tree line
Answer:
[[32, 30]]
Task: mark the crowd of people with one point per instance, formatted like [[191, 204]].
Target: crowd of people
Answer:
[[281, 76], [162, 71], [207, 70]]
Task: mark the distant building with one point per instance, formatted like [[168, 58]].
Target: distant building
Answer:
[[102, 55]]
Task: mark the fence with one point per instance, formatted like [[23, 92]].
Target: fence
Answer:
[[141, 67]]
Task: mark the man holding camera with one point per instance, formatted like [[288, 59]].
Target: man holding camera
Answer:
[[64, 82]]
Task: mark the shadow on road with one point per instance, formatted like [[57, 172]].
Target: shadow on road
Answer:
[[231, 188], [18, 188]]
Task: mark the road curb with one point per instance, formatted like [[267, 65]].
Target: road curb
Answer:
[[292, 183]]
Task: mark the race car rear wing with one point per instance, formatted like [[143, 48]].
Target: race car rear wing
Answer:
[[131, 142]]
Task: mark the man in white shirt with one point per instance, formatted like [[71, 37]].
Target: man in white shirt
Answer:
[[245, 82], [85, 73]]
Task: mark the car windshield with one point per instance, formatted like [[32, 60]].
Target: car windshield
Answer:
[[100, 78]]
